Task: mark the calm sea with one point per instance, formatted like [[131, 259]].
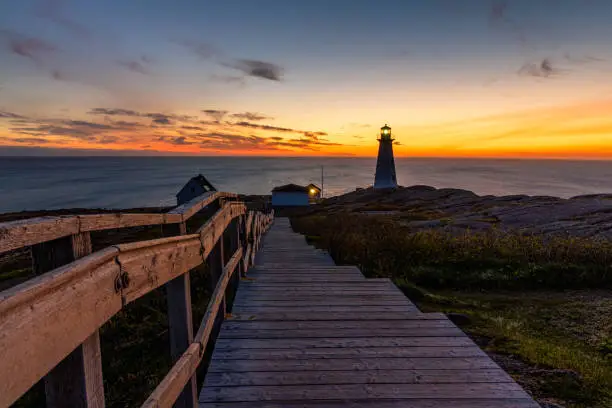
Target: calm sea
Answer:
[[33, 183]]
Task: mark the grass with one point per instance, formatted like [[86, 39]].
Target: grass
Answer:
[[517, 295]]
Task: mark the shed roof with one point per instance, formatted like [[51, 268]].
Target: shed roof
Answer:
[[201, 180], [290, 188]]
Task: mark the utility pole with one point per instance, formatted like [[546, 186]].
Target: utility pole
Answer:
[[322, 181]]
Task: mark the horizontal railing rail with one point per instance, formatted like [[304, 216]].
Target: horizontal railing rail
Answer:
[[32, 231], [46, 320]]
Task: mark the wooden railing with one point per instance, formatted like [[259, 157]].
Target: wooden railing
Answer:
[[49, 325]]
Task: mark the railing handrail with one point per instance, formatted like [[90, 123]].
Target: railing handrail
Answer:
[[43, 319], [31, 231]]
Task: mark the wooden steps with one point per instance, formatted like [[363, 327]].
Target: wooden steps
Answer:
[[307, 333]]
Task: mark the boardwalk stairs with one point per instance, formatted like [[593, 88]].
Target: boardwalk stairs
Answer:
[[304, 332]]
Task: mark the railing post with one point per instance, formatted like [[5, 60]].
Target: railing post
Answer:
[[178, 292], [77, 380], [216, 262]]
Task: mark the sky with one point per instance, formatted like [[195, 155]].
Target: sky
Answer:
[[473, 78]]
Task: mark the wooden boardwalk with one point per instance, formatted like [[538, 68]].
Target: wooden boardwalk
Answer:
[[307, 333]]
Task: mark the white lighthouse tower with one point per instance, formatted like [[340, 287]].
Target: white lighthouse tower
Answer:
[[385, 164]]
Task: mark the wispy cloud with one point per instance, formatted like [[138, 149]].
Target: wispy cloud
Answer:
[[257, 69], [54, 10], [215, 114], [251, 116], [201, 49], [32, 48], [9, 115], [541, 69], [137, 66]]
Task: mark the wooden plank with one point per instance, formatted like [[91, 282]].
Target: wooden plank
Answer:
[[356, 377], [319, 310], [167, 392], [180, 323], [46, 318], [366, 292], [361, 391], [77, 379], [343, 364], [22, 233], [407, 314], [206, 326], [353, 352], [388, 403], [100, 222], [307, 333], [345, 301], [336, 324], [360, 342]]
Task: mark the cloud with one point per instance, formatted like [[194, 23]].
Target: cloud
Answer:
[[158, 118], [278, 129], [252, 116], [215, 114], [228, 79], [32, 48], [9, 115], [582, 60], [181, 140], [542, 69], [134, 66], [108, 139], [162, 120], [113, 111], [29, 140], [53, 10], [257, 69], [192, 128], [201, 49]]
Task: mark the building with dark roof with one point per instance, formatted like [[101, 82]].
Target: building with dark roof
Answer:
[[196, 186], [290, 195]]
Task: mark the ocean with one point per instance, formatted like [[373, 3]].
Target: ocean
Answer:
[[35, 183]]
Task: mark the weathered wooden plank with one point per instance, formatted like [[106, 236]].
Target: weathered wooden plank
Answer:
[[46, 318], [247, 310], [288, 279], [307, 343], [356, 377], [345, 301], [167, 392], [342, 364], [214, 304], [77, 379], [388, 403], [366, 293], [361, 391], [355, 314], [322, 294], [355, 352], [307, 333], [21, 233], [99, 222], [336, 324]]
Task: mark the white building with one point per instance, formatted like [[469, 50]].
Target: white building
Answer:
[[290, 195]]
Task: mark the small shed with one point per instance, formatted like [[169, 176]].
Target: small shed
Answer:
[[196, 186], [290, 195], [314, 192]]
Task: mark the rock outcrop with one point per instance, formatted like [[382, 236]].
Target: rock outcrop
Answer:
[[425, 207]]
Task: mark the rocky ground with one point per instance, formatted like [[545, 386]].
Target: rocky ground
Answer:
[[424, 207]]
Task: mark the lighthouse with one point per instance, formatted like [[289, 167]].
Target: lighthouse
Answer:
[[385, 164]]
